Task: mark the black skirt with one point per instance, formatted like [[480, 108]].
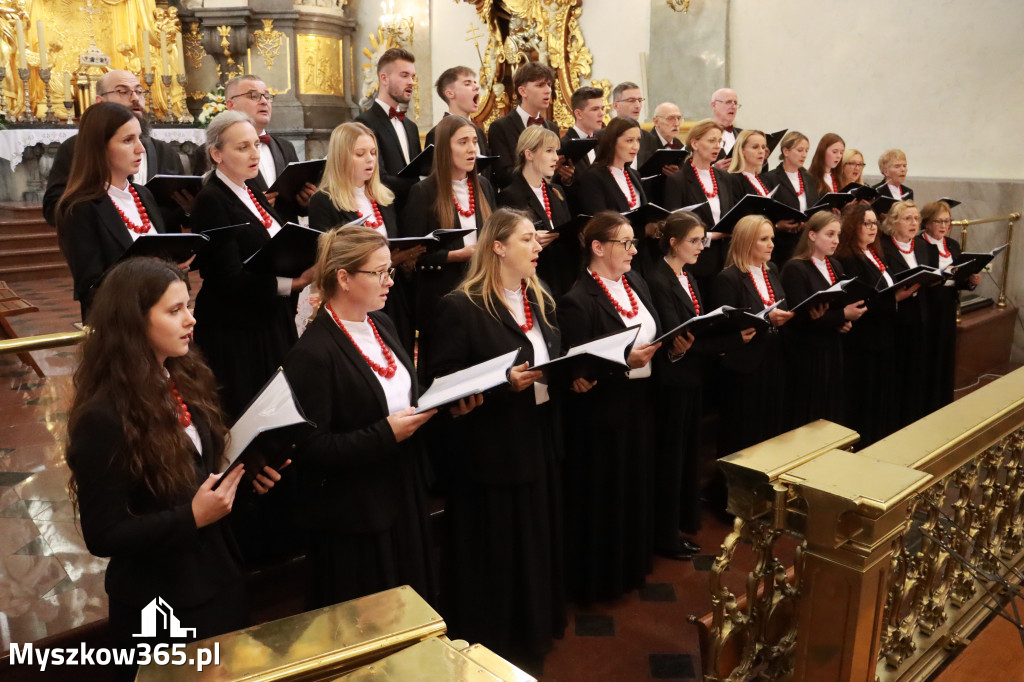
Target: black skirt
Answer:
[[816, 384], [677, 464], [609, 483], [503, 560], [753, 405], [941, 361]]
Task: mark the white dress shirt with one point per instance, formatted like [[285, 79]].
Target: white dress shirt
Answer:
[[794, 179], [514, 302], [399, 126], [620, 180], [124, 200], [648, 327], [397, 389], [284, 284], [461, 190], [707, 183]]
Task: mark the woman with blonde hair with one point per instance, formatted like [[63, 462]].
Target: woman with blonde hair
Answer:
[[753, 398], [531, 191], [503, 556], [749, 157], [351, 189], [851, 169]]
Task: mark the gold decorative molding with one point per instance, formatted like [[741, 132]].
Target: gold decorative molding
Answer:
[[194, 47], [268, 42], [320, 65], [679, 5]]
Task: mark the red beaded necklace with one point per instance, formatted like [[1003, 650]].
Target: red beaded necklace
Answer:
[[897, 245], [943, 249], [466, 213], [386, 372], [264, 216], [184, 416], [759, 186], [629, 185], [831, 272], [527, 311], [800, 177], [835, 187], [547, 202], [714, 183], [376, 214], [146, 225], [768, 285], [634, 306], [693, 294], [875, 259]]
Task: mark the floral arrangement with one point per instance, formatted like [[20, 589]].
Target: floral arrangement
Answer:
[[214, 104]]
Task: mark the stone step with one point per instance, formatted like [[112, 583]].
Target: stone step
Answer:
[[24, 226], [20, 210], [31, 256], [27, 240], [32, 273]]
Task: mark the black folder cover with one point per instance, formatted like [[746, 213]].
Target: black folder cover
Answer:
[[289, 253], [660, 158], [296, 174], [420, 165], [576, 149], [163, 186], [175, 247]]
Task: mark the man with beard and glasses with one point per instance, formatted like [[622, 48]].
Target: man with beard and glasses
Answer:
[[159, 158], [398, 138]]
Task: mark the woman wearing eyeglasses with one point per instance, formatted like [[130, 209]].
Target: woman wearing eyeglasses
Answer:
[[869, 349], [363, 501], [813, 338], [747, 162], [453, 196], [677, 298], [797, 189], [351, 189], [609, 474], [696, 182], [942, 302], [531, 191], [851, 169], [245, 322], [503, 567], [753, 401], [101, 213]]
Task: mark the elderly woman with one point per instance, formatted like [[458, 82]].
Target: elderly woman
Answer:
[[825, 163], [797, 188], [892, 164], [942, 302]]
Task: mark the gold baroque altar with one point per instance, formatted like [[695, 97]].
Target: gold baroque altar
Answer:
[[114, 28]]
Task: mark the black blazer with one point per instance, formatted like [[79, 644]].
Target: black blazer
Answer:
[[801, 280], [913, 308], [503, 136], [283, 153], [787, 193], [93, 237], [932, 250], [874, 331], [232, 296], [742, 185], [586, 313], [722, 154], [501, 442], [161, 158], [351, 466], [389, 149], [882, 189], [154, 546], [560, 260], [323, 215], [682, 188], [598, 190], [518, 194], [734, 288], [674, 307]]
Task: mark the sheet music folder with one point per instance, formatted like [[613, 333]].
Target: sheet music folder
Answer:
[[438, 239], [163, 186], [606, 354], [175, 247], [295, 176], [289, 253], [269, 430], [478, 378]]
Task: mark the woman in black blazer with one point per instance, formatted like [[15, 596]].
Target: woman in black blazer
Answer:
[[677, 298], [101, 213], [748, 159], [697, 182], [351, 189], [609, 472], [751, 387], [363, 496], [869, 349], [503, 555], [903, 252], [812, 339], [246, 324], [531, 191], [797, 188], [453, 196], [936, 220], [145, 436]]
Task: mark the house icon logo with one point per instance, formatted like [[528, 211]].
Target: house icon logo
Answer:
[[158, 617]]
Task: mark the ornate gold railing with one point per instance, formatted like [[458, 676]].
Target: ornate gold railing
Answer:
[[1010, 220], [886, 583]]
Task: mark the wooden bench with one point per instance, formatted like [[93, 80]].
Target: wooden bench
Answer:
[[10, 305]]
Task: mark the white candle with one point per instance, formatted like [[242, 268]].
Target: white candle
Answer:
[[163, 54], [22, 54], [42, 45], [181, 54], [68, 95], [147, 61]]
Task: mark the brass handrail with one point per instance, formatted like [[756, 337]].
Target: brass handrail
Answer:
[[978, 221], [1010, 220], [26, 344]]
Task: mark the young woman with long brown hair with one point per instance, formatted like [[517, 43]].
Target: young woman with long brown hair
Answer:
[[825, 163]]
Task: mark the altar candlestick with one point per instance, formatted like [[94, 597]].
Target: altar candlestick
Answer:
[[147, 61], [181, 54], [163, 53], [22, 54], [67, 85], [42, 45]]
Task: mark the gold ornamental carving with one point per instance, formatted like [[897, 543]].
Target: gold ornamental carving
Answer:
[[320, 65], [268, 42], [519, 31], [194, 51], [679, 5]]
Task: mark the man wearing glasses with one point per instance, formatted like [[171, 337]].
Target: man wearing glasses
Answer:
[[159, 158], [627, 101], [724, 105], [250, 95]]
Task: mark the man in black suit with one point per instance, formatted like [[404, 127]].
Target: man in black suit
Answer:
[[398, 138], [667, 118], [724, 105], [533, 83], [459, 89], [159, 158], [250, 95], [588, 109]]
